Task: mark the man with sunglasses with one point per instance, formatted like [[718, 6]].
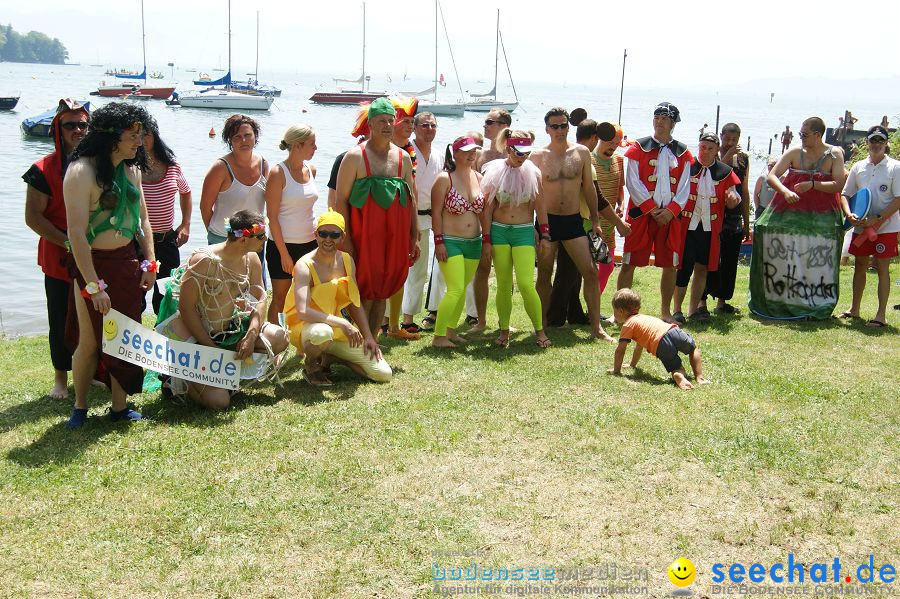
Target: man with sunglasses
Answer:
[[657, 178], [880, 174], [565, 173], [45, 214]]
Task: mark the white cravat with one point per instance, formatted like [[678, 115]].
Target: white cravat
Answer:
[[705, 191]]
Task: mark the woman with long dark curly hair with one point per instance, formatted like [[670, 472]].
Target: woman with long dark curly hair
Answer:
[[106, 212], [161, 182]]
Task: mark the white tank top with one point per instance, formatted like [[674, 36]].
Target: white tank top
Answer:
[[295, 215], [238, 197]]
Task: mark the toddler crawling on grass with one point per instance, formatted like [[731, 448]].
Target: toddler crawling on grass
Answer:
[[660, 338]]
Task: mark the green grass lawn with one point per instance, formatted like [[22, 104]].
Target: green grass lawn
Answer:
[[536, 459]]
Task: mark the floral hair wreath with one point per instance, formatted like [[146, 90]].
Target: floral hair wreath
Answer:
[[256, 229]]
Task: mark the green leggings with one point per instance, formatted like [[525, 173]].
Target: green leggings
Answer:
[[520, 258], [458, 272]]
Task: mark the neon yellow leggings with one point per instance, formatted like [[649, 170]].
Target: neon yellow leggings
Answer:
[[520, 258], [458, 272]]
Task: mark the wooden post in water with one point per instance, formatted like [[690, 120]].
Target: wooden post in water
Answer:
[[748, 143], [622, 85], [718, 108], [770, 149]]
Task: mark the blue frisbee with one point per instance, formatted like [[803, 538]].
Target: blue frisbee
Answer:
[[859, 205]]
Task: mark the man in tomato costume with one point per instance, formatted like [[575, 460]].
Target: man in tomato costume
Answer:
[[374, 194]]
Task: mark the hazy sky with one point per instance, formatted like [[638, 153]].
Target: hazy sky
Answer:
[[691, 43]]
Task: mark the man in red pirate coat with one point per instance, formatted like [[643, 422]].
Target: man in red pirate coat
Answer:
[[45, 214], [712, 184], [374, 194], [657, 181]]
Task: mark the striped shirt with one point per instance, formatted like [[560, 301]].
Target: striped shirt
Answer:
[[160, 198]]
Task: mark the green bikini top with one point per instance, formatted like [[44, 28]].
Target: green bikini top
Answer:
[[383, 190], [125, 217]]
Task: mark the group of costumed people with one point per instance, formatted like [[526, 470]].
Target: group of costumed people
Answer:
[[512, 205]]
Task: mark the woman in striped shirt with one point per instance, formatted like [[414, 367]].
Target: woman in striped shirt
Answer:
[[161, 183]]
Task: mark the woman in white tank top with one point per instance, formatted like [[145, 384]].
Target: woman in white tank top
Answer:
[[237, 181], [290, 197]]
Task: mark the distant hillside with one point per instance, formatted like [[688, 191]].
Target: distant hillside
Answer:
[[31, 47]]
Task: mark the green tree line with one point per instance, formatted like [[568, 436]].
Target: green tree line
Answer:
[[31, 47]]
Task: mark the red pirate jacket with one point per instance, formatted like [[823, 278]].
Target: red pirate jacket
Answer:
[[645, 152], [723, 178]]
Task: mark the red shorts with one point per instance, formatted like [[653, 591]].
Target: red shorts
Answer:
[[663, 255], [884, 246]]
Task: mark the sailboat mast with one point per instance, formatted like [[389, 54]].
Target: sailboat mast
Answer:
[[363, 82], [228, 85], [256, 69], [435, 49], [144, 42], [496, 51]]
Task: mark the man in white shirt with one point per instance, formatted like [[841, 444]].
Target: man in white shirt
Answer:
[[876, 234], [657, 178], [430, 164]]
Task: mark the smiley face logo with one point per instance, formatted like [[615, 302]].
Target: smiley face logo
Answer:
[[110, 329], [682, 572]]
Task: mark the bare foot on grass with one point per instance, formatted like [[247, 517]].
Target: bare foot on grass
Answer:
[[59, 391], [682, 381], [442, 342], [702, 380], [601, 334]]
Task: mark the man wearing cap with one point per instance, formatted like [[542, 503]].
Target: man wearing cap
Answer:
[[566, 170], [711, 191], [374, 195], [657, 178], [876, 234], [45, 214], [324, 285]]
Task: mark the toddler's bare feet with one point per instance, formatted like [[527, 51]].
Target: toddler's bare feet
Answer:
[[682, 381]]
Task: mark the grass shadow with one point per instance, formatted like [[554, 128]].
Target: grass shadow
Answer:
[[803, 325], [31, 411], [60, 445]]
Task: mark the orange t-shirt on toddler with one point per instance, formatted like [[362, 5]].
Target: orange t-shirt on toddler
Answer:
[[645, 330]]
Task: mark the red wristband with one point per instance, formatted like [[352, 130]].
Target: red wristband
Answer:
[[438, 240], [544, 229], [485, 238]]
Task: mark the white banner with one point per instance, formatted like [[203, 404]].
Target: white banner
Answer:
[[132, 342]]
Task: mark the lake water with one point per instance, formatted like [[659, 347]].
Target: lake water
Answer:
[[185, 130]]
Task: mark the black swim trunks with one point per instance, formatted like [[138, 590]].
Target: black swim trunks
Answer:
[[563, 227]]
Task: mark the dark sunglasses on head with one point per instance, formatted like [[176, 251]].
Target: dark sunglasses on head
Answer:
[[428, 126], [558, 126], [71, 126], [330, 234]]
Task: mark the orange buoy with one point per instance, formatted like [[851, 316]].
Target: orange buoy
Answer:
[[212, 132]]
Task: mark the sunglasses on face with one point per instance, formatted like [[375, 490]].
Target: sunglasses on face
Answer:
[[803, 135], [330, 234], [556, 126], [489, 122], [71, 126], [520, 154]]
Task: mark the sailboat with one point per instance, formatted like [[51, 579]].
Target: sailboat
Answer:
[[224, 98], [251, 86], [350, 96], [433, 106], [114, 91], [485, 104]]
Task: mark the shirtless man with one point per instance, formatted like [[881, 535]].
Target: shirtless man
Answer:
[[382, 240], [812, 154], [786, 138], [566, 170], [230, 315], [657, 178]]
